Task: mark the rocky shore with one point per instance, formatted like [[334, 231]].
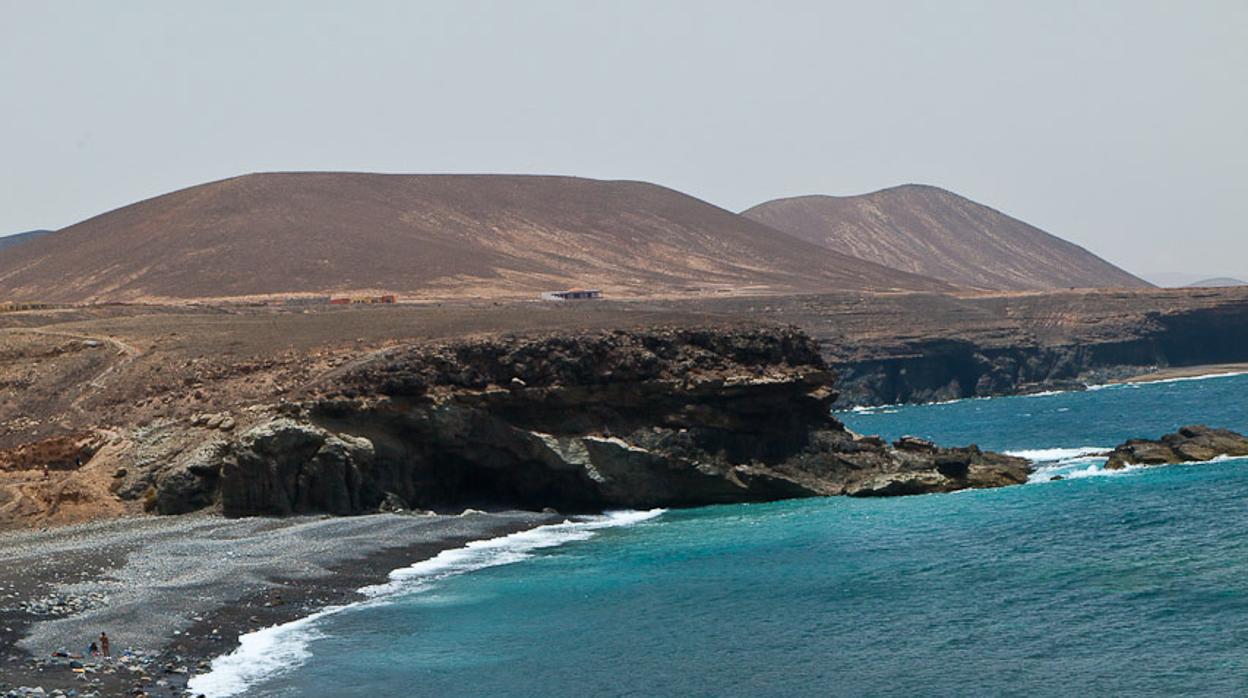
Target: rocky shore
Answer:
[[144, 582], [580, 421]]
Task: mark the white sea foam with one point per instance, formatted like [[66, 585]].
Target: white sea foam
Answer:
[[874, 409], [279, 648], [501, 551], [1045, 393], [894, 408], [1093, 469], [265, 652], [1054, 455]]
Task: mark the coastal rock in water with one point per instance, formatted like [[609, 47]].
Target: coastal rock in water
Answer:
[[1189, 444], [935, 469]]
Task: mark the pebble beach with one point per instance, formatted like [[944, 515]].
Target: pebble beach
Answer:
[[174, 592]]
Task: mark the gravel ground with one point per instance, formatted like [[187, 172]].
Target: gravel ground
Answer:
[[192, 584]]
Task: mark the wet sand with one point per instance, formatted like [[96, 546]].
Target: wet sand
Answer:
[[173, 592]]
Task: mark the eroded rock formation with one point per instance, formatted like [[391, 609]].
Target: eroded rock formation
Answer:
[[1187, 445], [660, 417]]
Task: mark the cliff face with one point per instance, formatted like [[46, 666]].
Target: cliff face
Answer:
[[661, 417], [927, 370]]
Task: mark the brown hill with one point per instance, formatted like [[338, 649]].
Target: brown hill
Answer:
[[929, 231], [424, 236], [1217, 282], [18, 238]]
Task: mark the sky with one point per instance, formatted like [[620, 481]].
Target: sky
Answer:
[[1118, 125]]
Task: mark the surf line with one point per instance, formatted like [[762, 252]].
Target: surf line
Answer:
[[275, 650]]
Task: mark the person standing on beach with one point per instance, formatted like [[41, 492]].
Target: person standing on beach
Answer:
[[104, 645]]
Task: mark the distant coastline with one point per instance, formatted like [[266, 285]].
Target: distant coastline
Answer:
[[1184, 372]]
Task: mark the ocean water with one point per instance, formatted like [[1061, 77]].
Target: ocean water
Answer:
[[1130, 583]]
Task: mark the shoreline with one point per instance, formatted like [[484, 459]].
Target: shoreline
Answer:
[[239, 575], [1184, 373], [1161, 375]]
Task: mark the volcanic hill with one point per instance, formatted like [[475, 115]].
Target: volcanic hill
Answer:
[[425, 236], [929, 231], [1217, 282], [19, 238]]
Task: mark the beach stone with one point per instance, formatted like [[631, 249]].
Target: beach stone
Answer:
[[913, 443], [392, 503]]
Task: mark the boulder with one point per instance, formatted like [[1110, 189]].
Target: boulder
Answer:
[[191, 483], [284, 467], [392, 504]]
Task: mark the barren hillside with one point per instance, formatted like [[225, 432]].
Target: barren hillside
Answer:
[[424, 236], [929, 231], [15, 239]]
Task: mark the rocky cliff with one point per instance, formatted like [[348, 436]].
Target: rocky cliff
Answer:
[[924, 348], [576, 421], [929, 369]]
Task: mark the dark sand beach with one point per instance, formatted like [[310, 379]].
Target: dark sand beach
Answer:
[[174, 592]]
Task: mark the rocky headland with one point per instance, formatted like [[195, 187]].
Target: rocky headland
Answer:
[[580, 422]]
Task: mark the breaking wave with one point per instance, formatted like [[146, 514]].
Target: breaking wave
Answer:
[[280, 648]]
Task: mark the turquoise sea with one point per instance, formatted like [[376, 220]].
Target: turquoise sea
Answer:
[[1133, 583]]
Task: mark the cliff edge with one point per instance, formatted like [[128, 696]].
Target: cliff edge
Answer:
[[576, 421]]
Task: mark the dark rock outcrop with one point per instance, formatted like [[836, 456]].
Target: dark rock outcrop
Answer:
[[581, 422], [929, 350], [929, 468], [287, 467], [1187, 445]]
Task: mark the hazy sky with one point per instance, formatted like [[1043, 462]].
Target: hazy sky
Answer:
[[1118, 125]]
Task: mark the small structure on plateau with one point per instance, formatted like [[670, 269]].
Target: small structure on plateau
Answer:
[[572, 294], [363, 300]]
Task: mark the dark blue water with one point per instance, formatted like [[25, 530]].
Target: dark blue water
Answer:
[[1127, 584]]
